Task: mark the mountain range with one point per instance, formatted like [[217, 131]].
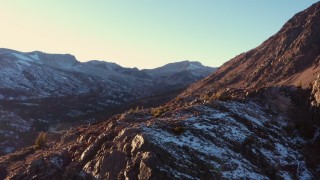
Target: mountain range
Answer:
[[41, 92], [40, 75], [256, 117]]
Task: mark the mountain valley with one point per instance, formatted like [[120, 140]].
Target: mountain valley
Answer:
[[256, 117], [52, 92]]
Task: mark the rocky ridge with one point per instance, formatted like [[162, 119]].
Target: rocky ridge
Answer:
[[202, 140], [290, 57]]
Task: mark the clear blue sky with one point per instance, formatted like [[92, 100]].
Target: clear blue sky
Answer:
[[144, 33]]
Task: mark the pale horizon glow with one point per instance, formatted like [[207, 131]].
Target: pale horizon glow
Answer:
[[143, 34]]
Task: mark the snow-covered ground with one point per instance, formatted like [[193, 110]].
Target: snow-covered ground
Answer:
[[240, 141]]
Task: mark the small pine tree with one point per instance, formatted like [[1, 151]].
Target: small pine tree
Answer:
[[41, 140]]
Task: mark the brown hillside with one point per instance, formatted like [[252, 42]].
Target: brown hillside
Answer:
[[290, 57]]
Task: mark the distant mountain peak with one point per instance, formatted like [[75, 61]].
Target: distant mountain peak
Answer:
[[62, 74]]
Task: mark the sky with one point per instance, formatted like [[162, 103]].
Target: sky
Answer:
[[143, 33]]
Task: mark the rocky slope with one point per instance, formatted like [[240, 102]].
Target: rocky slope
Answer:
[[290, 57], [41, 92], [200, 140]]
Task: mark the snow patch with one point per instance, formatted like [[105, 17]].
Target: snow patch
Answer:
[[57, 161], [35, 56], [285, 175], [23, 57], [23, 63], [254, 120], [241, 172], [249, 111], [8, 150], [281, 150], [193, 66]]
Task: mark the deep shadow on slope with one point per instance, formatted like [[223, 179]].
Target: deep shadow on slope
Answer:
[[61, 113]]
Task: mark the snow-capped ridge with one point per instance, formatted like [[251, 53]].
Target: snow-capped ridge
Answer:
[[37, 75], [32, 58]]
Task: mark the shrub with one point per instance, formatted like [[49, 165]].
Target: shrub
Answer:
[[41, 140], [205, 97], [130, 111], [136, 110], [221, 96], [158, 111], [178, 130]]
